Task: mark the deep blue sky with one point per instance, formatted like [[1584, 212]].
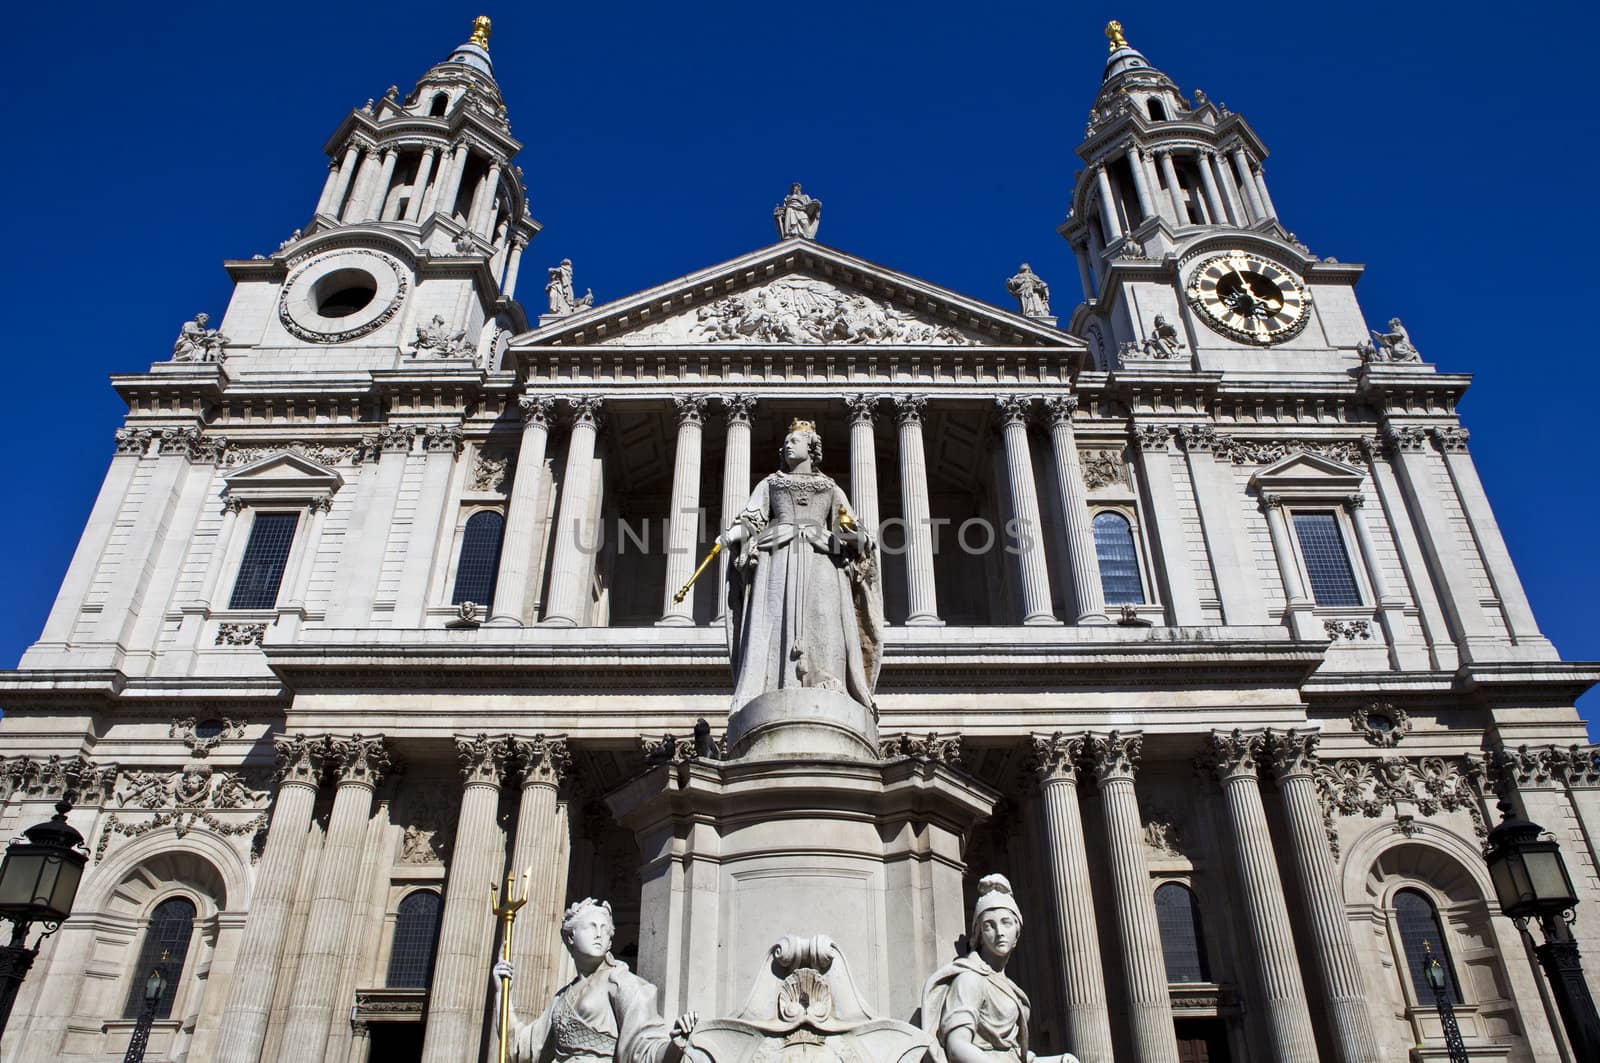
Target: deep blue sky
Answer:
[[1454, 155]]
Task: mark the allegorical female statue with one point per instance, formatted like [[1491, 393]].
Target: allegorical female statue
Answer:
[[974, 1012], [607, 1013], [803, 605]]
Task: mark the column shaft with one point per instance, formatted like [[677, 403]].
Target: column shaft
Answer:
[[575, 535], [1216, 500], [523, 511], [380, 191], [1441, 648], [1080, 252], [96, 533], [1090, 595], [449, 187], [1391, 610], [1261, 189], [1230, 194], [921, 596], [442, 444], [542, 846], [1486, 531], [260, 959], [356, 202], [1180, 209], [328, 186], [1109, 220], [683, 519], [1028, 528], [419, 187], [735, 481], [465, 952], [1155, 461], [508, 287], [1247, 185], [1298, 609], [341, 184], [366, 540], [1141, 186]]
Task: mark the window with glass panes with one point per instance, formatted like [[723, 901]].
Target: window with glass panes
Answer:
[[1419, 922], [265, 555], [1119, 561], [1183, 947], [166, 945], [480, 559], [1333, 582], [416, 936]]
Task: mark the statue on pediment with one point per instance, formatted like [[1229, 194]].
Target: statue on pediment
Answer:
[[1033, 294], [560, 291], [1395, 345], [196, 343], [798, 215], [803, 607]]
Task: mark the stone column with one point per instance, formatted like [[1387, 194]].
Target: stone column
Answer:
[[1080, 252], [1247, 185], [483, 204], [508, 287], [328, 186], [1179, 208], [1452, 443], [683, 519], [1110, 221], [341, 184], [442, 445], [1299, 610], [378, 191], [541, 845], [1035, 576], [1155, 461], [1261, 189], [735, 479], [1233, 756], [1079, 968], [1085, 561], [523, 511], [1141, 187], [460, 987], [1208, 181], [1294, 758], [313, 1003], [570, 570], [920, 593], [419, 187], [1115, 759], [864, 460], [449, 183], [1230, 194], [266, 928]]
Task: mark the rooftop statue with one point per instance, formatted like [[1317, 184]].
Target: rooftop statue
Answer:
[[559, 289], [196, 343], [1032, 293], [797, 215], [607, 1013], [1395, 345]]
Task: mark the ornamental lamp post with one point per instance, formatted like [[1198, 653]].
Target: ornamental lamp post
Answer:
[[38, 882], [1531, 882], [1439, 982], [154, 987]]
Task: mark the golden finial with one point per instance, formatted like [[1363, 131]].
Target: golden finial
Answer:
[[480, 32], [798, 425], [1114, 34]]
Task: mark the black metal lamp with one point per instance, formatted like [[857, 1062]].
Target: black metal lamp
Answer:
[[39, 878], [1531, 882], [1439, 982], [154, 986]]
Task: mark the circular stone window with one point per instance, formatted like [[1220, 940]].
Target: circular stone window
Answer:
[[1381, 723], [341, 295]]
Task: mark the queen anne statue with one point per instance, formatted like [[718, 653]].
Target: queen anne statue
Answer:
[[803, 604]]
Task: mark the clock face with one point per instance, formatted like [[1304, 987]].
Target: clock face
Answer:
[[1249, 298]]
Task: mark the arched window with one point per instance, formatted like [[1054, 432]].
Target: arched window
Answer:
[[166, 945], [1119, 562], [480, 558], [1419, 922], [440, 102], [1158, 112], [416, 934], [1183, 946]]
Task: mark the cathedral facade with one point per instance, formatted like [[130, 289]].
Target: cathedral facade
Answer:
[[1197, 626]]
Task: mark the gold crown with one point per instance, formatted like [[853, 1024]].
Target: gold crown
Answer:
[[1114, 34], [798, 425], [480, 31]]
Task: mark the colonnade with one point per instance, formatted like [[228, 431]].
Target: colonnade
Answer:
[[571, 568]]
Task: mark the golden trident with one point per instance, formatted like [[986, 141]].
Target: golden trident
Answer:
[[506, 910]]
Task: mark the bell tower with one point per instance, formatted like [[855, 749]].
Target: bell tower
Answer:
[[415, 243], [1180, 250]]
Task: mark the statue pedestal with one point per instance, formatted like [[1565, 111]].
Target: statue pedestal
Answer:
[[802, 721], [738, 853]]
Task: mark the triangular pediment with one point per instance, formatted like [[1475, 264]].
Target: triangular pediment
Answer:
[[798, 292], [284, 475], [1307, 472]]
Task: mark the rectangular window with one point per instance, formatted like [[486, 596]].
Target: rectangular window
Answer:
[[1333, 582], [265, 555]]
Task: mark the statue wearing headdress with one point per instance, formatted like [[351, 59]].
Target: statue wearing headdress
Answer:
[[803, 605], [974, 1012]]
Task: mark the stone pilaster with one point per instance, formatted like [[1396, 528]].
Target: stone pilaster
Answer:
[[466, 929], [735, 479], [1079, 969], [566, 604], [1035, 577], [683, 519], [1085, 563], [1294, 758], [1216, 500], [1155, 461], [361, 762], [255, 973], [523, 510], [1233, 756], [1115, 760], [378, 493], [921, 596], [1298, 611], [542, 763]]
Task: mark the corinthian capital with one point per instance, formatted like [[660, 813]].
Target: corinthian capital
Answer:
[[537, 410], [1061, 409], [482, 757], [739, 408], [1152, 436], [1293, 753], [542, 760], [1115, 755], [586, 409], [1233, 754], [1452, 439], [300, 758], [362, 759], [1055, 758], [863, 407], [691, 409], [908, 408], [1014, 409]]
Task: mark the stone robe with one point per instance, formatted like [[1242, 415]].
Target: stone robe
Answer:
[[608, 1016], [969, 994], [802, 604]]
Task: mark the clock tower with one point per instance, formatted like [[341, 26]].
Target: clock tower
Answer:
[[1182, 256]]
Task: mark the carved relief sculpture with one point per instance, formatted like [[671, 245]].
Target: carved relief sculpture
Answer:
[[802, 589], [605, 1013], [560, 290], [1033, 294], [435, 340], [798, 215], [975, 1013], [1163, 341]]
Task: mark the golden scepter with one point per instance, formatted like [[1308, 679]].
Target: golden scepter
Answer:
[[716, 548], [507, 911]]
